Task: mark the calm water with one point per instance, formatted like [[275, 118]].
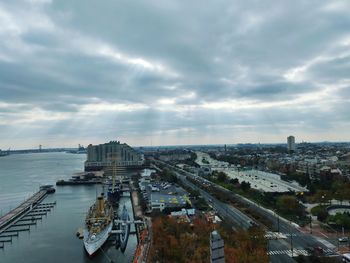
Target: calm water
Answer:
[[53, 239]]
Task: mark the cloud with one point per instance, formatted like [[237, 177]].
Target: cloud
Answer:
[[166, 72]]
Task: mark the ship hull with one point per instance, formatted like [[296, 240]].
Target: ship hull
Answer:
[[125, 229], [93, 244]]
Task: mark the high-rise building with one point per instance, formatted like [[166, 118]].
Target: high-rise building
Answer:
[[217, 253], [291, 143], [110, 154]]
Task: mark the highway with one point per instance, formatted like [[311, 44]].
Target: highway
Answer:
[[241, 220], [259, 180], [279, 249]]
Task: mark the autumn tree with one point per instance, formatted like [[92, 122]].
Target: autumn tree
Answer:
[[185, 242]]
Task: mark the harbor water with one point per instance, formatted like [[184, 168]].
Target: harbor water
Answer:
[[53, 239]]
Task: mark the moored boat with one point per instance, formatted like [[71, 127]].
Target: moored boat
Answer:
[[49, 188], [98, 225], [125, 229], [2, 153], [113, 193]]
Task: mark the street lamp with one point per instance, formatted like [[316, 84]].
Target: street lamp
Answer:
[[278, 221], [310, 224], [291, 237], [336, 231]]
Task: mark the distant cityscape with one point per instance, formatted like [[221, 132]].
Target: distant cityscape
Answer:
[[41, 148], [174, 131], [293, 197]]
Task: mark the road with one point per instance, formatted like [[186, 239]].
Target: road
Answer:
[[238, 218], [259, 180], [280, 250]]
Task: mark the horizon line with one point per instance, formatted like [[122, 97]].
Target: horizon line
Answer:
[[182, 145]]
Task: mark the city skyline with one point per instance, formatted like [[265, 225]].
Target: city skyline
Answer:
[[239, 144], [165, 73]]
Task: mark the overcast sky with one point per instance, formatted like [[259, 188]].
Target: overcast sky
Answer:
[[164, 72]]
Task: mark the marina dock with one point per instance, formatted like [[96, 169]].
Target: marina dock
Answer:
[[22, 209], [24, 216]]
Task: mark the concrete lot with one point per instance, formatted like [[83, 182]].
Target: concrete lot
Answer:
[[266, 182]]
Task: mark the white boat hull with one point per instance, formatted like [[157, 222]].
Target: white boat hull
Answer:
[[93, 242]]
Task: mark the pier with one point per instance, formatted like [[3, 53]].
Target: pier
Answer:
[[22, 209], [78, 182], [23, 217], [143, 231]]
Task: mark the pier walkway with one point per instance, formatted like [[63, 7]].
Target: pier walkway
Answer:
[[21, 209]]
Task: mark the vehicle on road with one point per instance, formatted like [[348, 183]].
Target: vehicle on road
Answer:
[[343, 239], [346, 257], [316, 251]]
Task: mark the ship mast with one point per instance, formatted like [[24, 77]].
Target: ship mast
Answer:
[[114, 175], [113, 158]]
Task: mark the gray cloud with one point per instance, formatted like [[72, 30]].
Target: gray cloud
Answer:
[[172, 72]]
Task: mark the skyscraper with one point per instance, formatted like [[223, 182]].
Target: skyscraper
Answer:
[[291, 143]]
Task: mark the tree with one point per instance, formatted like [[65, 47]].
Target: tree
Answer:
[[234, 181], [245, 186], [322, 215], [185, 243], [169, 176], [246, 246], [341, 220], [321, 196], [222, 177], [201, 204], [287, 204]]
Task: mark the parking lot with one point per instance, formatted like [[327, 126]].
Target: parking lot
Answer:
[[260, 180]]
